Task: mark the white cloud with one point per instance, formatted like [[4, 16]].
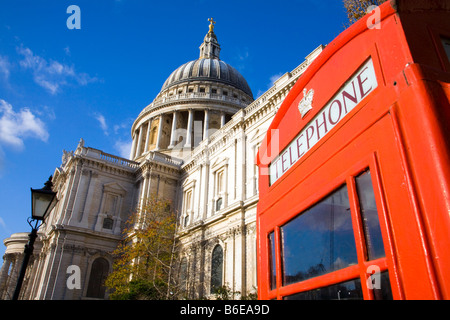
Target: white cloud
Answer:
[[5, 67], [123, 148], [101, 119], [67, 50], [15, 126], [124, 127], [51, 75], [274, 78], [243, 55], [3, 225]]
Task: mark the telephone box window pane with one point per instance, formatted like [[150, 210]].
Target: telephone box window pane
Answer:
[[319, 240], [382, 291], [446, 44], [369, 216], [349, 290], [273, 270]]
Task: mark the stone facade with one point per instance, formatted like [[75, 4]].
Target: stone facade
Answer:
[[194, 145], [219, 192]]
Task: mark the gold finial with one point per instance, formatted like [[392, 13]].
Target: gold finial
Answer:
[[211, 25]]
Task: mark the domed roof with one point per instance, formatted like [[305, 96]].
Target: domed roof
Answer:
[[208, 69]]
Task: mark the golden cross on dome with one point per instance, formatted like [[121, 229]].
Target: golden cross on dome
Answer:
[[211, 25]]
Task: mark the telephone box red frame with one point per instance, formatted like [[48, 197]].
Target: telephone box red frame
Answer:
[[400, 131]]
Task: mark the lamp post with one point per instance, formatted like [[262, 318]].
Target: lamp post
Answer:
[[42, 202]]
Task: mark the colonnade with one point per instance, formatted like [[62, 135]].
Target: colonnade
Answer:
[[150, 134]]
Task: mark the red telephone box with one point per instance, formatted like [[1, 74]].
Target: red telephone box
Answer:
[[354, 170]]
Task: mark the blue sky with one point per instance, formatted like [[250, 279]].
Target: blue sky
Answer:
[[59, 85]]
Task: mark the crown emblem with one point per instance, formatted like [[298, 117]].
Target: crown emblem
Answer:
[[305, 104]]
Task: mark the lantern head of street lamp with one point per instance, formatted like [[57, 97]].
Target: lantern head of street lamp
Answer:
[[42, 201]]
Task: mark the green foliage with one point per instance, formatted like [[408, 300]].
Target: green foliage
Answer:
[[140, 289], [226, 293]]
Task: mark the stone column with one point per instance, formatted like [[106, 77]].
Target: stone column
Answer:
[[138, 150], [225, 177], [158, 138], [147, 135], [188, 143], [174, 129], [145, 189], [206, 190], [133, 148], [4, 275], [222, 119], [206, 125]]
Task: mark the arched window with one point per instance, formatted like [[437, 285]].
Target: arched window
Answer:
[[219, 204], [187, 207], [216, 269], [99, 272], [183, 274]]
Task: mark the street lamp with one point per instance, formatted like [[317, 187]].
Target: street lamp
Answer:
[[42, 202]]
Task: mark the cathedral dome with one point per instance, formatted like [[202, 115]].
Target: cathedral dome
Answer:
[[197, 99], [208, 69]]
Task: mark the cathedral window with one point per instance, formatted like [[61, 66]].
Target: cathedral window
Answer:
[[216, 269], [183, 274], [219, 204], [187, 207], [219, 185], [111, 203], [99, 272], [188, 201], [108, 223], [108, 218], [219, 189], [220, 182]]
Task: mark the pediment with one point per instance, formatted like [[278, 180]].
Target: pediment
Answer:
[[114, 187], [188, 183], [255, 136], [219, 162]]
